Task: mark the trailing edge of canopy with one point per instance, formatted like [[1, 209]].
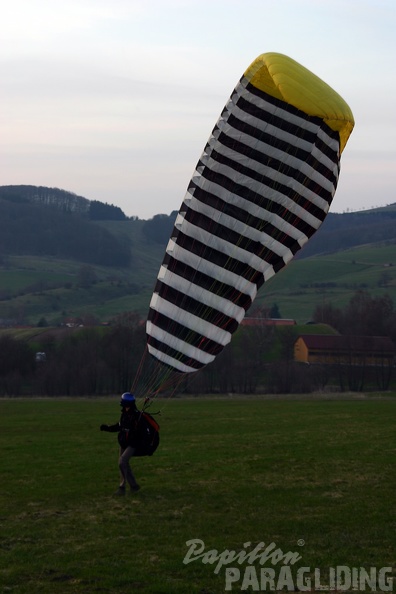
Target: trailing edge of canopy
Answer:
[[287, 80]]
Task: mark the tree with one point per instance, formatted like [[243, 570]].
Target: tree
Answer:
[[158, 229], [366, 315], [274, 312], [86, 277], [98, 211], [326, 313], [123, 348], [16, 365]]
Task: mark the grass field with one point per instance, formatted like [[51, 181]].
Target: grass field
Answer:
[[297, 290], [316, 477]]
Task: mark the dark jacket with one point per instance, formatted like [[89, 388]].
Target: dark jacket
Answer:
[[126, 427]]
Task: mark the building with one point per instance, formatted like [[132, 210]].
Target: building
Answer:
[[267, 322], [330, 349], [73, 323]]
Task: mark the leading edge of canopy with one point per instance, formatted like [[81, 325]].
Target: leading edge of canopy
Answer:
[[287, 80]]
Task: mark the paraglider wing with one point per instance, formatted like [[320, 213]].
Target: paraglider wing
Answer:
[[262, 187]]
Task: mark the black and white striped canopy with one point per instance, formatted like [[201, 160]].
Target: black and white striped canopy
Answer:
[[261, 188]]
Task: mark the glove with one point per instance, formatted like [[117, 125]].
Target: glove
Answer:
[[104, 427]]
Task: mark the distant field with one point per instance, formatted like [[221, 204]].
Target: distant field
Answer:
[[297, 290], [369, 254], [15, 280], [314, 476], [334, 278]]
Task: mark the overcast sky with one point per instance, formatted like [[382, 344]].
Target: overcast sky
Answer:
[[114, 100]]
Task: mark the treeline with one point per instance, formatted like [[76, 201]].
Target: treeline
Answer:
[[100, 361], [158, 229], [100, 211], [64, 201], [90, 361], [364, 315], [61, 199]]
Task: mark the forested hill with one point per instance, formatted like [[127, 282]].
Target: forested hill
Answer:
[[62, 255], [62, 200], [37, 220], [344, 231], [47, 221]]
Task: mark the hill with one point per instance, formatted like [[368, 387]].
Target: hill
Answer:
[[51, 222], [344, 231], [62, 256]]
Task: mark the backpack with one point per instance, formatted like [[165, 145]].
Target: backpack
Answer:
[[148, 435]]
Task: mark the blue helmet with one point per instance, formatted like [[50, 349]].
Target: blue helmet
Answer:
[[127, 399]]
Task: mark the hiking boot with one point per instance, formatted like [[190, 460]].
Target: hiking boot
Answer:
[[120, 491], [135, 488]]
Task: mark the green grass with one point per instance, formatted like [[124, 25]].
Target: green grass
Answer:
[[228, 471]]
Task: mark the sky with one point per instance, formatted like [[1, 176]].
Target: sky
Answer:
[[114, 100]]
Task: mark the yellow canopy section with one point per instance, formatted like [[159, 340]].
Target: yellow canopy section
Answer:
[[284, 78]]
